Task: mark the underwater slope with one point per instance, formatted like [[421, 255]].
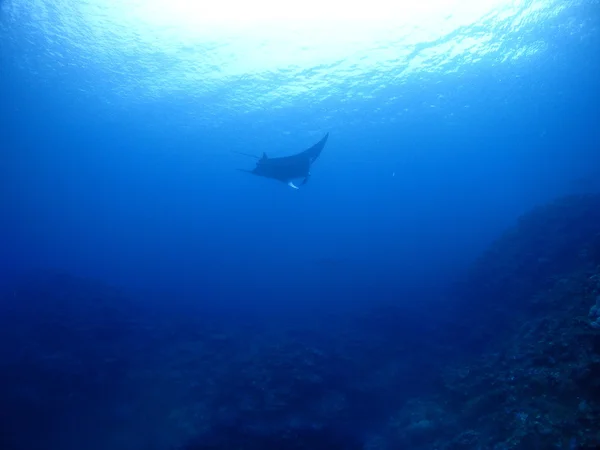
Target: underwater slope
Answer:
[[527, 375], [509, 283], [513, 362]]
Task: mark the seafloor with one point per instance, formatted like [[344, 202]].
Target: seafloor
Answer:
[[508, 359]]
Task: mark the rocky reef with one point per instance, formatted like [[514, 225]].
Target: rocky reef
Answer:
[[527, 373]]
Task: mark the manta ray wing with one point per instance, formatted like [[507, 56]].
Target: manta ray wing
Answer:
[[313, 153]]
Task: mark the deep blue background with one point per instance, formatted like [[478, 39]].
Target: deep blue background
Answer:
[[414, 182]]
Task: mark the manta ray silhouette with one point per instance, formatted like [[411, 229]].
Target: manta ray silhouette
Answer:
[[288, 168]]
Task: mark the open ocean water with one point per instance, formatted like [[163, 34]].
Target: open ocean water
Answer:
[[433, 283]]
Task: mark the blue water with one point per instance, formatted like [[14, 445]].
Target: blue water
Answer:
[[119, 123]]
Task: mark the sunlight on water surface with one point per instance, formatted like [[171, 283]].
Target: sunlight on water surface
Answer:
[[272, 52]]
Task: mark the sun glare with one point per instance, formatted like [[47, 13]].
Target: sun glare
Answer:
[[199, 45], [326, 26], [177, 12], [195, 17], [266, 35]]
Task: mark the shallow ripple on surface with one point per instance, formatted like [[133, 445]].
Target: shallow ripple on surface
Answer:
[[137, 52]]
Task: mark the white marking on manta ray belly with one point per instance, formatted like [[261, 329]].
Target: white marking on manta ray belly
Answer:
[[292, 185]]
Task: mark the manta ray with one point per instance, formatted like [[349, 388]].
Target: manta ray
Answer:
[[288, 168]]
